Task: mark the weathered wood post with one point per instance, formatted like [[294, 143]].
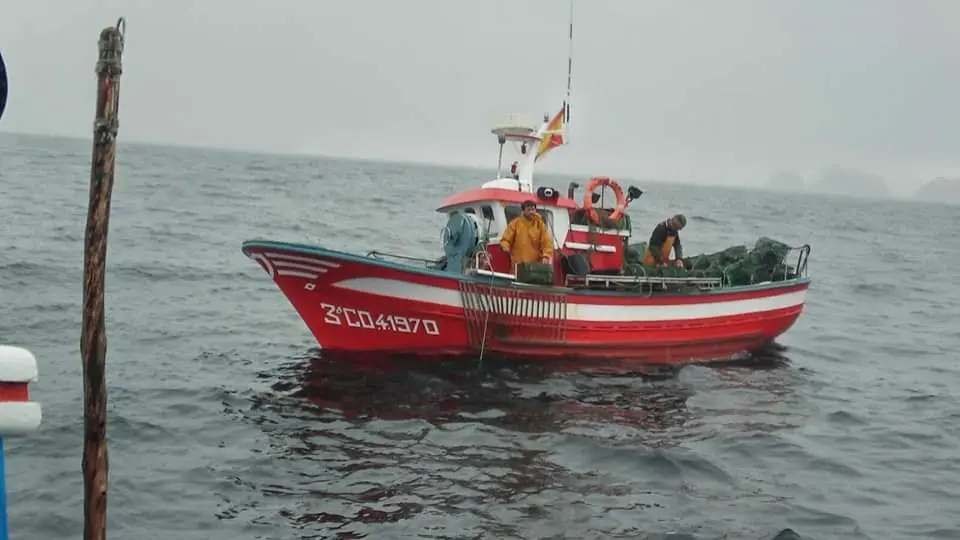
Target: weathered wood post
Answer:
[[93, 341], [18, 368]]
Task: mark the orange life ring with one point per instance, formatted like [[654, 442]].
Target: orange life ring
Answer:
[[617, 190]]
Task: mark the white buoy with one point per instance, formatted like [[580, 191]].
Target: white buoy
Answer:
[[18, 415], [18, 368]]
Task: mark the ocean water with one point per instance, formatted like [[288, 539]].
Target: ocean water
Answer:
[[226, 422]]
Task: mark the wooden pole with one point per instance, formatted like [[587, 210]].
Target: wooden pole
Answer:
[[93, 341]]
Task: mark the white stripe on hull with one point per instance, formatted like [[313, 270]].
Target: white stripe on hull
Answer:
[[295, 258], [583, 312], [284, 265], [300, 266], [296, 273]]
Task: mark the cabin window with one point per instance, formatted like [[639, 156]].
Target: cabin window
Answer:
[[512, 211], [493, 230], [547, 216], [469, 211]]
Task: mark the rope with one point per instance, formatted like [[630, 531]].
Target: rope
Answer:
[[486, 320]]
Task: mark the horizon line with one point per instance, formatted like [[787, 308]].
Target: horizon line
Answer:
[[768, 188]]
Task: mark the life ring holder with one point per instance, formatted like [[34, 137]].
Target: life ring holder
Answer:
[[598, 181]]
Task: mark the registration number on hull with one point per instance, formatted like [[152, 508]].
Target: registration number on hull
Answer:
[[361, 318]]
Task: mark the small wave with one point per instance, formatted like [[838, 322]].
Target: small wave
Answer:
[[161, 272], [24, 268], [869, 289], [260, 166], [705, 219], [847, 418]]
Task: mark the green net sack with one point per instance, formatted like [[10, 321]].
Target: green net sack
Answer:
[[637, 269], [673, 271], [634, 253], [730, 255], [736, 265], [717, 260], [712, 273], [769, 252], [738, 273], [535, 273], [699, 262]]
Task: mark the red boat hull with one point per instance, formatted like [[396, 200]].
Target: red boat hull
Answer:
[[355, 304]]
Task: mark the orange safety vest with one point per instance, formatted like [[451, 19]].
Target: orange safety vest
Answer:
[[665, 249]]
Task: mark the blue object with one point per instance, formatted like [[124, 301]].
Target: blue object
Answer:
[[460, 239], [3, 103], [3, 495]]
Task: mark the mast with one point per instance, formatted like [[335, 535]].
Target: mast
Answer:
[[545, 131], [566, 102], [532, 138]]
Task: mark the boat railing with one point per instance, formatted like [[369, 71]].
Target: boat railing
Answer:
[[785, 271], [428, 263], [641, 282], [481, 264], [803, 255], [491, 274]]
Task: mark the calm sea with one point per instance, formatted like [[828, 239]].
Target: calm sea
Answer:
[[227, 423]]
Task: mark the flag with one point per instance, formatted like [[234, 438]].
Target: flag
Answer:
[[553, 135]]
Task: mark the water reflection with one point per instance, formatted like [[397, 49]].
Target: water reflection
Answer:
[[518, 397], [360, 449]]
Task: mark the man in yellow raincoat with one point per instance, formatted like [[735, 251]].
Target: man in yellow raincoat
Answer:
[[527, 239], [664, 239]]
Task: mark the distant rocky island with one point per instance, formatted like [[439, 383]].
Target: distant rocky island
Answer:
[[786, 181], [940, 189], [834, 179], [847, 181]]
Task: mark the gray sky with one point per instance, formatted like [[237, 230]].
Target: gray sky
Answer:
[[714, 92]]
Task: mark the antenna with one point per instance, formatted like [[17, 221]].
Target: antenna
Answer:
[[566, 102]]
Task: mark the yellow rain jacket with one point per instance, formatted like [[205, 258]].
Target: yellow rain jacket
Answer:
[[527, 240]]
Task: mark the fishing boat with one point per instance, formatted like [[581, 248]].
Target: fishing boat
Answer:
[[597, 306]]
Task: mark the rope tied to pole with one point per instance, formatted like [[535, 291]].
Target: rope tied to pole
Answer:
[[109, 68]]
